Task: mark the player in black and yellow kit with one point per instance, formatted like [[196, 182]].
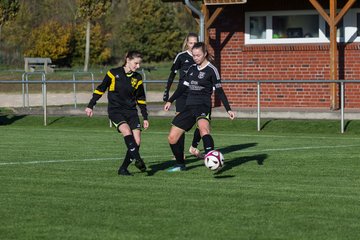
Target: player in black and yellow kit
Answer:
[[201, 80], [181, 64], [125, 92]]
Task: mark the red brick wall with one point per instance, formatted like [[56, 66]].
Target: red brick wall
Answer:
[[237, 61]]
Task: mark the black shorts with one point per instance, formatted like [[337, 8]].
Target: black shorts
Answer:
[[131, 118], [187, 118], [180, 103]]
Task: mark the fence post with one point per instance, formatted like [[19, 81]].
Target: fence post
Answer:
[[258, 106], [342, 105], [74, 89], [44, 94], [74, 84], [144, 79], [23, 89], [27, 90]]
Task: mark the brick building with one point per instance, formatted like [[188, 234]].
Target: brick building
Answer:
[[284, 40]]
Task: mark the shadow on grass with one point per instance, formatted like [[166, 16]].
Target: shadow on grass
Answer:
[[347, 125], [265, 124], [9, 119], [234, 148], [260, 158], [165, 165], [55, 120]]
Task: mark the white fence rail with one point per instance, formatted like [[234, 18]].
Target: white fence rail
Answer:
[[25, 90]]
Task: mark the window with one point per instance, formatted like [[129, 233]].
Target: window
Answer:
[[358, 24], [305, 26], [296, 26], [258, 27]]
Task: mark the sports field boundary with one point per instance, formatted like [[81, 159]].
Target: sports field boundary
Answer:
[[218, 112], [62, 104]]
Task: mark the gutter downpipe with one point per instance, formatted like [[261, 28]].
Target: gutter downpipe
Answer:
[[201, 17]]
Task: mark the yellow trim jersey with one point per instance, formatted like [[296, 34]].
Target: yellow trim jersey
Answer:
[[125, 91]]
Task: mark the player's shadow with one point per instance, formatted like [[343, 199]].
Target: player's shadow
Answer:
[[165, 165], [259, 158], [9, 119], [228, 149], [189, 160], [234, 148]]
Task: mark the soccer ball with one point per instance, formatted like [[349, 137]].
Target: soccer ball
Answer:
[[214, 160]]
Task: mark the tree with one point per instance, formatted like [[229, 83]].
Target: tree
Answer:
[[8, 11], [99, 54], [154, 30], [91, 10], [52, 40]]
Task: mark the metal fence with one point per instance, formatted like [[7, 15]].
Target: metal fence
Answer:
[[25, 89]]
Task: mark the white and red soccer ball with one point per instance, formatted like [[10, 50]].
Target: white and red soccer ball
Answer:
[[214, 160]]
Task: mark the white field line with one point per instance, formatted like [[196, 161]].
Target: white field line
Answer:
[[147, 157], [65, 161], [295, 148]]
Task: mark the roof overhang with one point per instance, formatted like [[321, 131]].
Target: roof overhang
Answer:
[[213, 2], [222, 2]]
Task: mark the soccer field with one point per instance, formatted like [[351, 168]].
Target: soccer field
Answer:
[[293, 180]]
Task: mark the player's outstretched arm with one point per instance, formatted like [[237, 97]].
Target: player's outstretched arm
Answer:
[[89, 112]]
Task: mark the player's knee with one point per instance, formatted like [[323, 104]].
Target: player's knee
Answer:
[[124, 129], [204, 131], [172, 139]]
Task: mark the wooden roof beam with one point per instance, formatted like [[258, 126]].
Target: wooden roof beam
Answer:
[[321, 10], [343, 11], [214, 16]]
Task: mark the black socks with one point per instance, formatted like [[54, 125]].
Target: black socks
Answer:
[[208, 143], [127, 160], [196, 138], [181, 142], [178, 152], [133, 148]]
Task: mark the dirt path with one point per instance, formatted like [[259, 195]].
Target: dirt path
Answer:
[[35, 99]]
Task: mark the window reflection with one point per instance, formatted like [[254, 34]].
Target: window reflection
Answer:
[[297, 26], [258, 27]]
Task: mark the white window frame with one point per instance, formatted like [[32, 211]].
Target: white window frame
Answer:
[[349, 21]]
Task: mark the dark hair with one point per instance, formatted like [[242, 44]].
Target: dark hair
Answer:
[[202, 46], [131, 55], [191, 34]]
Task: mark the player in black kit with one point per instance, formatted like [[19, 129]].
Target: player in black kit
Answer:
[[125, 92], [201, 80], [182, 62]]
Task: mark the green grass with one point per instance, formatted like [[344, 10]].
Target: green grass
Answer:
[[292, 180]]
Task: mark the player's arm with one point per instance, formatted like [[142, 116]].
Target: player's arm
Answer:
[[97, 94], [173, 71], [178, 92], [141, 102], [219, 91]]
